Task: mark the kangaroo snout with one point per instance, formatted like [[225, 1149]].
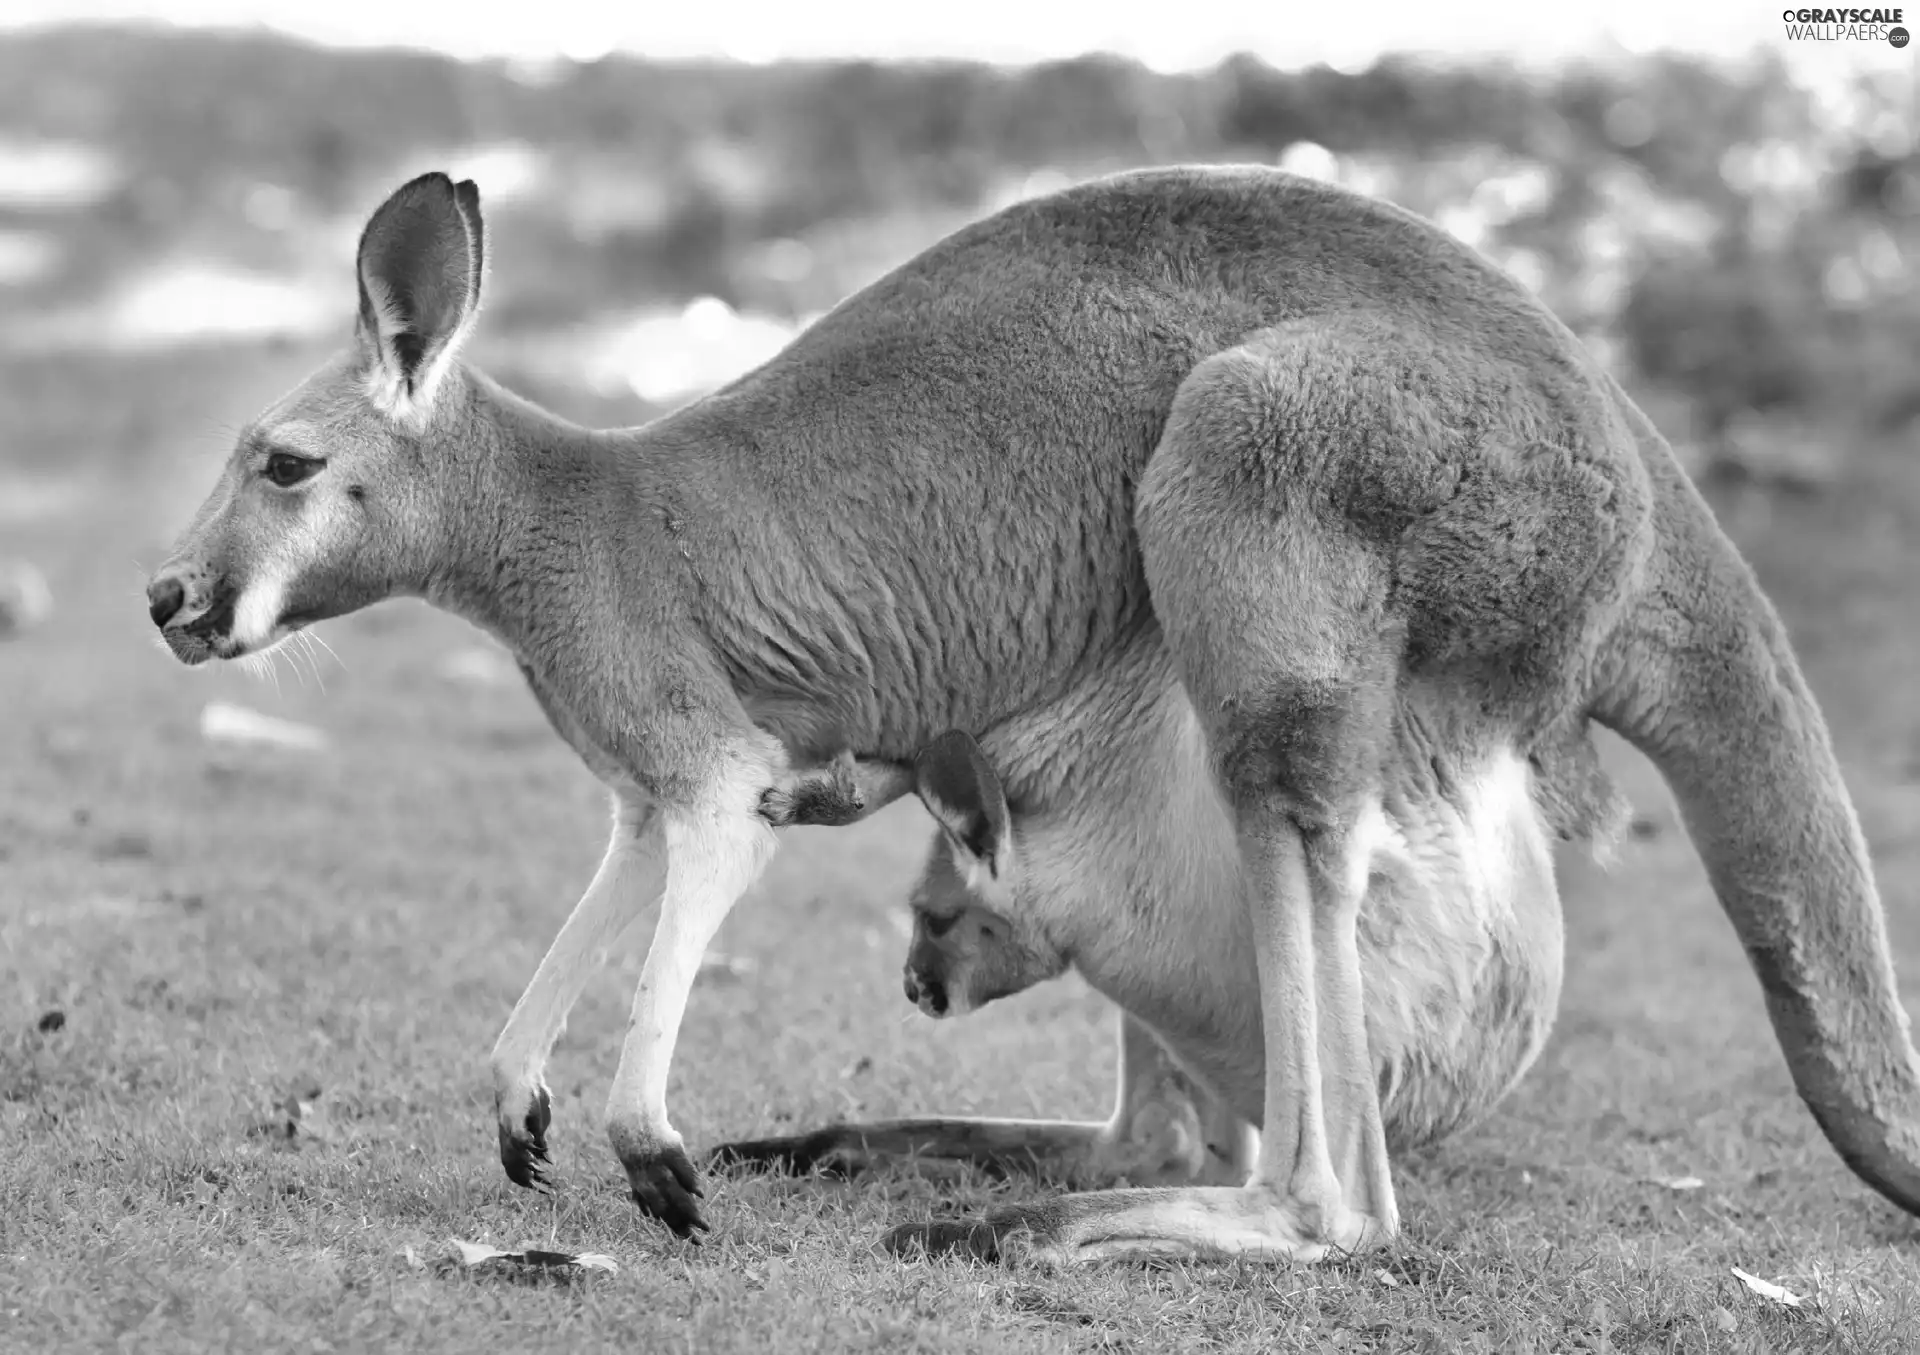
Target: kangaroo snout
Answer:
[[926, 992], [194, 618], [166, 595]]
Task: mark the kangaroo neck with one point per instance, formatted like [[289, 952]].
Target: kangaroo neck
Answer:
[[527, 546]]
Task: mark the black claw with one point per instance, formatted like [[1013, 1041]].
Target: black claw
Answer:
[[522, 1153], [523, 1172], [666, 1186], [978, 1239]]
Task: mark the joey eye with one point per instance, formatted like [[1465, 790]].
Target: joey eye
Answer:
[[286, 470]]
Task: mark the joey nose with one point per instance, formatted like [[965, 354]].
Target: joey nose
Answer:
[[165, 598], [927, 993]]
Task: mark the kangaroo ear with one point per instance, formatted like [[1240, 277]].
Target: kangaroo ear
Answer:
[[421, 258], [959, 788]]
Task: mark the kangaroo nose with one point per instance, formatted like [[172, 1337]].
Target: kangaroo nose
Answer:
[[932, 990], [165, 597]]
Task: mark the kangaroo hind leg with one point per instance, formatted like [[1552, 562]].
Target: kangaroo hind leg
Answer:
[[1297, 712], [1276, 613]]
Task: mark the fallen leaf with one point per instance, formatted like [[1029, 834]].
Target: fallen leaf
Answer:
[[1723, 1319], [1767, 1289], [1387, 1278], [474, 1254]]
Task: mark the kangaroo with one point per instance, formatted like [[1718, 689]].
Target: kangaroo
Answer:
[[1295, 451]]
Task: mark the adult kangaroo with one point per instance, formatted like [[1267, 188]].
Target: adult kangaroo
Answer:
[[1296, 451]]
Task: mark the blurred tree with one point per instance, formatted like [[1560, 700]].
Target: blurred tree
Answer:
[[1737, 243]]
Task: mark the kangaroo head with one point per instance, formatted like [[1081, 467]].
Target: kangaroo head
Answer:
[[339, 494], [972, 941]]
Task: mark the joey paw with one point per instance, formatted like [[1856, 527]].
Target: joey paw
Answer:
[[830, 799]]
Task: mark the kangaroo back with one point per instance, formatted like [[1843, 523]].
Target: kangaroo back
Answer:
[[1701, 678]]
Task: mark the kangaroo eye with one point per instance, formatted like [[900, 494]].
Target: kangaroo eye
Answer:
[[286, 470]]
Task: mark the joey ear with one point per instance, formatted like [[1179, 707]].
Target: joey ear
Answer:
[[420, 264], [960, 789]]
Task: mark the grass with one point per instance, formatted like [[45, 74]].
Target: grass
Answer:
[[223, 927]]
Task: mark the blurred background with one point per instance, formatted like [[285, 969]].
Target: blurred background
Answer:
[[1729, 216]]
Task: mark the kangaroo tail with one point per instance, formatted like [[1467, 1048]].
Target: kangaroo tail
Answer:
[[1700, 677]]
